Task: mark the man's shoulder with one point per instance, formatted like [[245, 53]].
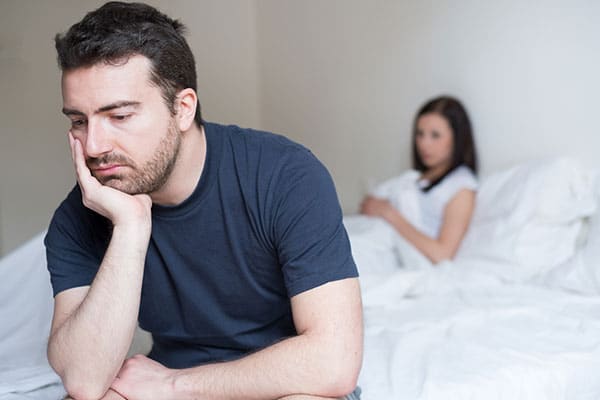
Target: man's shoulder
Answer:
[[240, 136], [267, 151]]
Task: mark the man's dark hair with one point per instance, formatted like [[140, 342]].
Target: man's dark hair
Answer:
[[464, 152], [116, 31]]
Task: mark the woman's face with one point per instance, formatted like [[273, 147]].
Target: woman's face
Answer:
[[434, 141]]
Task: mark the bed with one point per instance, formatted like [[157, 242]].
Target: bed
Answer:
[[25, 315], [515, 316]]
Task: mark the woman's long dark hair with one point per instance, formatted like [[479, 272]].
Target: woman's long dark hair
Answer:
[[464, 152]]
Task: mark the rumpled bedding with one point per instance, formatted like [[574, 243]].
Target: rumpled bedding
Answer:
[[456, 333], [516, 314]]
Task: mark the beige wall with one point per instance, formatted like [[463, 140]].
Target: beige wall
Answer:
[[35, 169], [343, 77]]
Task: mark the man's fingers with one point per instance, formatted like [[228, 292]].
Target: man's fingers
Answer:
[[88, 184], [84, 175], [79, 159], [71, 143]]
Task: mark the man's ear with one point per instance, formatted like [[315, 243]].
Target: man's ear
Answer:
[[185, 106]]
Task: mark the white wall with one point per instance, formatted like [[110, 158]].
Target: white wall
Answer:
[[346, 76], [343, 77]]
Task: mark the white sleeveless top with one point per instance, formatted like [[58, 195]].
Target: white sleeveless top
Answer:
[[425, 210]]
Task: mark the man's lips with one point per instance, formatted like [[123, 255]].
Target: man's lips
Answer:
[[107, 169]]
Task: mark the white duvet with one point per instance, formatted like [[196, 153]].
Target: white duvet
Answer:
[[454, 333]]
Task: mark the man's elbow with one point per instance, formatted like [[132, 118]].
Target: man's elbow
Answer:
[[82, 390], [343, 381], [342, 374], [345, 384], [81, 386], [81, 383]]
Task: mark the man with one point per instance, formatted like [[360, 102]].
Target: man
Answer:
[[225, 243]]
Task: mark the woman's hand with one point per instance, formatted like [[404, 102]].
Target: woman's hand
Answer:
[[376, 207]]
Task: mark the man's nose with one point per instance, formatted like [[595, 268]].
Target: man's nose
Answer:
[[98, 140]]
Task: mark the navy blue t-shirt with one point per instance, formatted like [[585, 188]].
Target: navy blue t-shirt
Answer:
[[262, 225]]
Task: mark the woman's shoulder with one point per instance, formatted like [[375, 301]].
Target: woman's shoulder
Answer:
[[457, 180], [462, 177]]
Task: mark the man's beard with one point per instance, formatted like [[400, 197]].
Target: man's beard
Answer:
[[151, 176]]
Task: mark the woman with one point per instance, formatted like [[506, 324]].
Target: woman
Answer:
[[444, 157]]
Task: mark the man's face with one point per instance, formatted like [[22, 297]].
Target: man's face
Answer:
[[129, 137]]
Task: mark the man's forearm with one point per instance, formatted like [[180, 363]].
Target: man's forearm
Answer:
[[323, 360], [295, 365], [89, 347]]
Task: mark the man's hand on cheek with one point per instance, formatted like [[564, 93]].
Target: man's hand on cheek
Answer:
[[119, 207]]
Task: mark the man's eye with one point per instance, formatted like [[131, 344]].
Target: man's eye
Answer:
[[120, 117], [77, 123]]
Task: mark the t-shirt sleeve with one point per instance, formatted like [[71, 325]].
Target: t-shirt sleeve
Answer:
[[466, 180], [72, 252], [312, 243], [461, 178]]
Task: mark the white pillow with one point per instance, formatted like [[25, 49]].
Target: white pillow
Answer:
[[581, 273], [530, 215]]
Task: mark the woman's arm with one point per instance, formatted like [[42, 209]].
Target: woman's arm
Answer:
[[457, 216]]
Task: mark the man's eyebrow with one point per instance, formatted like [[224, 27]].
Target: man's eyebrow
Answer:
[[108, 107], [69, 111], [118, 104]]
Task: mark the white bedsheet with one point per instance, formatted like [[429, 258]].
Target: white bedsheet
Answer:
[[25, 314], [451, 333], [53, 391]]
